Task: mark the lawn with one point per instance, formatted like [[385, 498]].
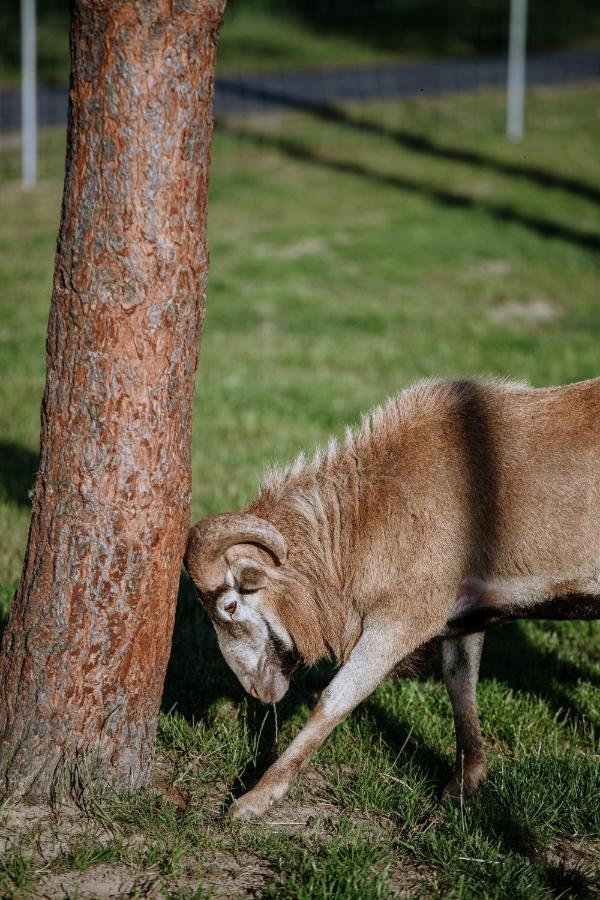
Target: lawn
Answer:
[[352, 252]]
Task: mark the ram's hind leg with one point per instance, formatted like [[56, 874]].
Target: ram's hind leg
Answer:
[[460, 660]]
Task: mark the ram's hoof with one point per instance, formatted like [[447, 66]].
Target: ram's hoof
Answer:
[[465, 784], [248, 807]]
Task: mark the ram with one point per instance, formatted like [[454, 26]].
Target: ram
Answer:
[[453, 507]]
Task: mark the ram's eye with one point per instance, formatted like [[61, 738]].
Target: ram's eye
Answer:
[[230, 607]]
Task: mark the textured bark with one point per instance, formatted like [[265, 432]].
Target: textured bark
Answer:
[[86, 648]]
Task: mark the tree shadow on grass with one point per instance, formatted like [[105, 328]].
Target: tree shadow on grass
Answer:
[[428, 147], [511, 657], [328, 112], [18, 468], [447, 198], [197, 675]]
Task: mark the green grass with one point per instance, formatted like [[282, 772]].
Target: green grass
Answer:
[[252, 39], [256, 39], [351, 253], [17, 874]]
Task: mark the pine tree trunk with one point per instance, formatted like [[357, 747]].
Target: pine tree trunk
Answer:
[[85, 651]]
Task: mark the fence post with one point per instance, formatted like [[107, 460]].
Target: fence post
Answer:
[[28, 94], [517, 40]]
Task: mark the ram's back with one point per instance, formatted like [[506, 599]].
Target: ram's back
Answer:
[[485, 479], [547, 494]]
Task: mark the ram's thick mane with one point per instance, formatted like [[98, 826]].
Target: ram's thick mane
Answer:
[[304, 472]]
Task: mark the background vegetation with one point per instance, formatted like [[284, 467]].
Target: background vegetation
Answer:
[[352, 252]]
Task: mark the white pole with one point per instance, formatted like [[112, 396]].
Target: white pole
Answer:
[[28, 95], [517, 40]]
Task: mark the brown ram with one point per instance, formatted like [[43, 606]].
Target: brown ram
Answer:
[[455, 506]]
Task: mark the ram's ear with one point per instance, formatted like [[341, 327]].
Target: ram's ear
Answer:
[[249, 574]]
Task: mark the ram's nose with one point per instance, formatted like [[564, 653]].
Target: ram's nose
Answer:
[[252, 692]]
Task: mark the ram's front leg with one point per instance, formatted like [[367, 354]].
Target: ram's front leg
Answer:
[[377, 651]]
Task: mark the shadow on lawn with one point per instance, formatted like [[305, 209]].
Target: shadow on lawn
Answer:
[[197, 675], [18, 468], [509, 656], [451, 199], [327, 112]]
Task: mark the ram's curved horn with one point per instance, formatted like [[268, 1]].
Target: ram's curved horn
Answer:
[[210, 538], [215, 535]]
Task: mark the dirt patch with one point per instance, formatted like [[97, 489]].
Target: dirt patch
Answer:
[[49, 831], [534, 311], [412, 881], [578, 863], [311, 246], [231, 864], [234, 875], [496, 267], [575, 854], [97, 883]]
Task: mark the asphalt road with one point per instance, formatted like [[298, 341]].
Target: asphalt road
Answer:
[[306, 89]]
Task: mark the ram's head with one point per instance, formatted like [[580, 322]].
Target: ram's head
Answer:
[[234, 560]]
